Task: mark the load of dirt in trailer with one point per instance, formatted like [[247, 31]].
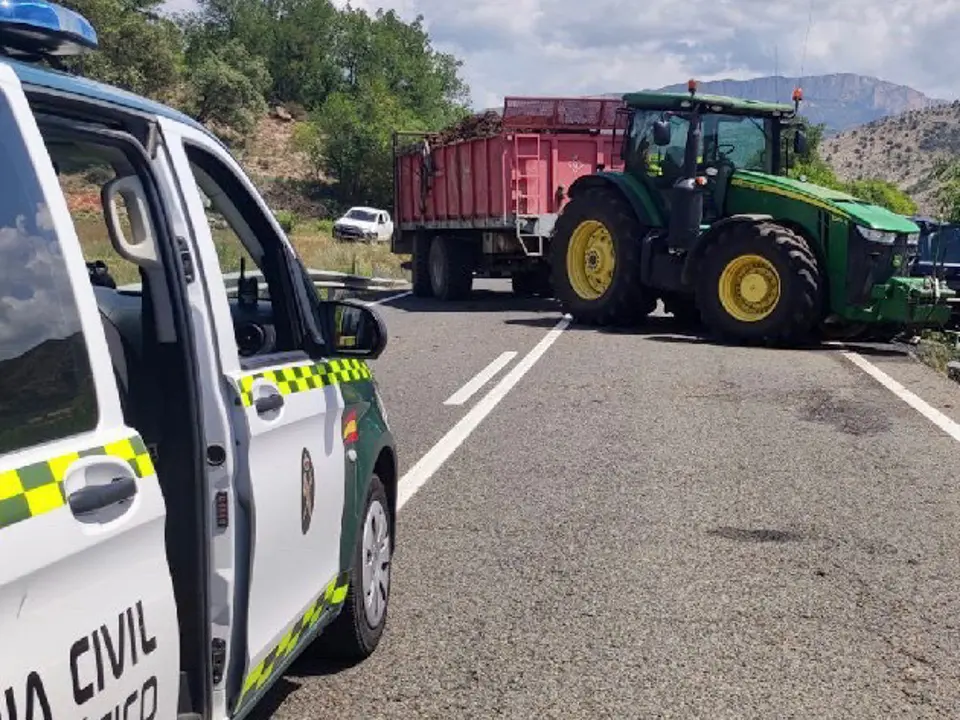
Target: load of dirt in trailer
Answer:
[[478, 125]]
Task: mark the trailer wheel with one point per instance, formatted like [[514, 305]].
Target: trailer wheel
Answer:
[[760, 282], [420, 266], [595, 260], [451, 268]]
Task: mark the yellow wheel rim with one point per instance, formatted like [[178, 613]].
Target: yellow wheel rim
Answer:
[[749, 288], [591, 259]]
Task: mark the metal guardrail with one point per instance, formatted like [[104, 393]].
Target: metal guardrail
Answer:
[[322, 279]]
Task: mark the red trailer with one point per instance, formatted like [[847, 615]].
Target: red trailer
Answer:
[[485, 206]]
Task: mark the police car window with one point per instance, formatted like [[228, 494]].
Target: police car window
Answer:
[[46, 382], [235, 239], [240, 230], [83, 169]]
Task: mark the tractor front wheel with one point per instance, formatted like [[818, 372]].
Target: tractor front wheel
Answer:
[[595, 260], [759, 282]]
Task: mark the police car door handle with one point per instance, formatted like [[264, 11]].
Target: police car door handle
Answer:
[[268, 403], [96, 497]]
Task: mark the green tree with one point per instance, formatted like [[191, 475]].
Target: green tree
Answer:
[[390, 78], [140, 51], [401, 56], [883, 193], [947, 174], [352, 140], [226, 87], [293, 37]]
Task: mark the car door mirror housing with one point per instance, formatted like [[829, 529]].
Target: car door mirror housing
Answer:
[[353, 329], [661, 133]]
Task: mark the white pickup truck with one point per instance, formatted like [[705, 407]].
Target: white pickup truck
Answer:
[[364, 223], [194, 484]]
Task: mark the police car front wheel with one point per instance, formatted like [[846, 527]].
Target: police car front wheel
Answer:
[[356, 631]]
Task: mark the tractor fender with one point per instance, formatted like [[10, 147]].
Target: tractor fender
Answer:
[[631, 189], [705, 239]]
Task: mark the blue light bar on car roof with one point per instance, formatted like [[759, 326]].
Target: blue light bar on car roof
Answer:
[[36, 28]]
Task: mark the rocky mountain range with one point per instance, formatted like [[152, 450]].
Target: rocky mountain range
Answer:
[[903, 149], [840, 100]]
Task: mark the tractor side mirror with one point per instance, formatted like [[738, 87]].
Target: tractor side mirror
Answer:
[[800, 142], [661, 133]]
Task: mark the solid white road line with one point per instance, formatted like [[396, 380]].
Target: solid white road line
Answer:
[[381, 301], [480, 379], [417, 476], [948, 425]]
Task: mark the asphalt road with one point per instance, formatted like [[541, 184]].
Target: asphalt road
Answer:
[[650, 526]]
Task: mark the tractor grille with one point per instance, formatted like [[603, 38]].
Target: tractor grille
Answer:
[[870, 263]]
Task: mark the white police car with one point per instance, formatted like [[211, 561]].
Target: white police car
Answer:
[[194, 483]]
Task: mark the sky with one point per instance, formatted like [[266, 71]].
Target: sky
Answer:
[[33, 275], [568, 47]]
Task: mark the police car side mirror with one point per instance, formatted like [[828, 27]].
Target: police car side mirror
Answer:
[[353, 329]]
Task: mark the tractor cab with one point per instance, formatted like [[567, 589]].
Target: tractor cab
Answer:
[[686, 148]]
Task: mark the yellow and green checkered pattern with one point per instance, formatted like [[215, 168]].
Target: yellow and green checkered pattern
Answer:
[[262, 675], [306, 377], [37, 489]]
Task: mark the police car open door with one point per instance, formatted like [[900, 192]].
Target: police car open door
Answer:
[[286, 418], [88, 623]]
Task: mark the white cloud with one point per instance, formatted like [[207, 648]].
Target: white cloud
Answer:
[[563, 47], [542, 47], [36, 302]]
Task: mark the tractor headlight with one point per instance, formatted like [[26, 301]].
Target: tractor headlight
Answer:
[[878, 236], [913, 238]]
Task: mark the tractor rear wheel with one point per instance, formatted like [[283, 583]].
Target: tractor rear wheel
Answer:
[[595, 260], [759, 282]]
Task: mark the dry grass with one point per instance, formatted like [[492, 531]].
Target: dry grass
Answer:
[[284, 178], [936, 349], [269, 153], [312, 241]]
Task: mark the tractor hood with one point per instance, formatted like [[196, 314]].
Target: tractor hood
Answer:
[[859, 211]]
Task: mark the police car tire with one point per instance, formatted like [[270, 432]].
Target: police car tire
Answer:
[[350, 637]]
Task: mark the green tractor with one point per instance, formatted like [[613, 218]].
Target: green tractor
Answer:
[[704, 218]]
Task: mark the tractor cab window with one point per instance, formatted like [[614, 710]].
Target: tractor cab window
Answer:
[[742, 142], [662, 164]]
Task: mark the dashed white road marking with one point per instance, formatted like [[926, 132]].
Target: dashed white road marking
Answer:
[[417, 476], [948, 425], [480, 379], [381, 301]]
